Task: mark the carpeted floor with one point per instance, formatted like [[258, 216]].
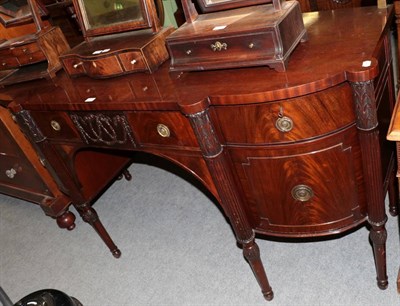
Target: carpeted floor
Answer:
[[177, 249]]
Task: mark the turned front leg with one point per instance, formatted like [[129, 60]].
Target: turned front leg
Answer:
[[218, 165], [251, 252], [367, 124], [90, 216]]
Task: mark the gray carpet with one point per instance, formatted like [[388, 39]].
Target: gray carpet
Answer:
[[177, 249]]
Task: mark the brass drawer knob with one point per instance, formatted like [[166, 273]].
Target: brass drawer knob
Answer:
[[284, 124], [11, 173], [219, 46], [302, 193], [77, 65], [163, 130], [55, 125]]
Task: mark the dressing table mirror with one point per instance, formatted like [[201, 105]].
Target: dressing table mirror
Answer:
[[32, 56], [236, 33], [121, 36]]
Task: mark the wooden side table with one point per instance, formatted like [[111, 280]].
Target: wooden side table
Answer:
[[394, 135]]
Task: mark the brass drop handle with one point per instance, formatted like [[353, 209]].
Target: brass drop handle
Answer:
[[163, 130], [11, 173], [55, 125], [302, 193], [219, 46], [133, 62]]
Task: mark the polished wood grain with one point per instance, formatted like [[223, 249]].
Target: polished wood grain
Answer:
[[130, 52], [236, 38], [32, 181], [297, 154]]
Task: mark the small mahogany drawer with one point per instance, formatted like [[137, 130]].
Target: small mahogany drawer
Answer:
[[162, 128], [8, 62], [35, 57], [132, 61], [313, 188], [25, 49], [217, 50], [56, 125], [287, 120], [95, 68], [17, 172]]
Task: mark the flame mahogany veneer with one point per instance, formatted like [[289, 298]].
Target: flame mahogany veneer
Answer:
[[300, 153]]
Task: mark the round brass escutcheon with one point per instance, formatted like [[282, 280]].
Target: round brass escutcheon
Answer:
[[302, 193], [163, 130], [55, 125], [284, 124]]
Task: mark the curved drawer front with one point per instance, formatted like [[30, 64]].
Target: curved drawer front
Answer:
[[303, 190], [287, 120], [96, 68], [162, 128]]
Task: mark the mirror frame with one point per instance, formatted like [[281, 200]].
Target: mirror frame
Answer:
[[208, 6], [149, 14]]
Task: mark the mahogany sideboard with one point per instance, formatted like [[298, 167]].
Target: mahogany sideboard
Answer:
[[301, 153]]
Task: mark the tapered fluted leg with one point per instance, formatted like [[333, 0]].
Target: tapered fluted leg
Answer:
[[90, 216], [367, 123], [378, 237], [217, 162], [251, 252]]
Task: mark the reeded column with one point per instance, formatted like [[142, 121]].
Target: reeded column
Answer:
[[221, 173], [367, 124]]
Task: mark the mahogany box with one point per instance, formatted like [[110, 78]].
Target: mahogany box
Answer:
[[249, 36]]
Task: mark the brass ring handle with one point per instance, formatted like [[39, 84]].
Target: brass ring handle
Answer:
[[302, 193], [284, 124], [219, 46], [163, 130], [55, 125]]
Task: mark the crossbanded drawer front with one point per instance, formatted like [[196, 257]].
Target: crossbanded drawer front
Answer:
[[310, 189], [288, 120]]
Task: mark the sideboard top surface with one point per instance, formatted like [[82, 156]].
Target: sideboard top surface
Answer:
[[338, 44]]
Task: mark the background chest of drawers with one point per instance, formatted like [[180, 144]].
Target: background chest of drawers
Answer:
[[22, 173]]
